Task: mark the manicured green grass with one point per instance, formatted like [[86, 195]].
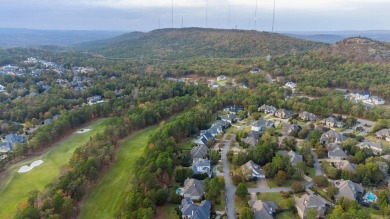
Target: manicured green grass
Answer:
[[287, 215], [167, 211], [15, 186], [106, 198], [187, 144], [222, 201], [275, 197], [312, 172], [239, 203]]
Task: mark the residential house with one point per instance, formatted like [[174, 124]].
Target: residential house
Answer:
[[332, 137], [335, 152], [231, 118], [362, 95], [200, 166], [283, 114], [215, 85], [331, 122], [205, 138], [94, 99], [267, 109], [199, 151], [5, 147], [307, 116], [261, 125], [294, 157], [306, 202], [2, 88], [291, 85], [193, 189], [349, 190], [376, 147], [345, 165], [288, 128], [190, 210], [254, 134], [263, 210], [251, 141], [374, 100], [383, 134], [233, 109], [221, 78], [14, 139], [255, 70], [250, 170]]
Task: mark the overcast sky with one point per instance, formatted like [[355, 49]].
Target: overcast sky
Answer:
[[144, 15]]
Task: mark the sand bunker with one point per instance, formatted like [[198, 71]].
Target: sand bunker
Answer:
[[26, 168], [83, 131]]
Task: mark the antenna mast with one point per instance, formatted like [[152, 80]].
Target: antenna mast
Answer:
[[273, 17], [256, 16], [172, 13]]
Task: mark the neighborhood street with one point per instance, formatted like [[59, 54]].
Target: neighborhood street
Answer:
[[230, 189]]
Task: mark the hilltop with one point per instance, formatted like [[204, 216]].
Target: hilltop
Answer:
[[199, 42], [359, 49]]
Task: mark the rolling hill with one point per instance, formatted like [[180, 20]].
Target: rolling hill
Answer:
[[197, 42]]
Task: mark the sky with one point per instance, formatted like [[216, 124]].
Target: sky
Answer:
[[146, 15]]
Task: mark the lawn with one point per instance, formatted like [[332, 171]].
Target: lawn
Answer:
[[15, 186], [106, 198], [272, 183], [239, 203], [312, 172], [167, 211], [187, 144], [275, 197], [287, 215], [222, 205]]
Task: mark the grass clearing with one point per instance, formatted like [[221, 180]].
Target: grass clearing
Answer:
[[166, 211], [275, 197], [239, 203], [15, 186], [105, 199], [272, 182], [287, 215]]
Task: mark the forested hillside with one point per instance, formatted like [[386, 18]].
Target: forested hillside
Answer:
[[201, 43]]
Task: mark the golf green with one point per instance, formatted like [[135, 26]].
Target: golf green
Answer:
[[106, 198], [15, 186]]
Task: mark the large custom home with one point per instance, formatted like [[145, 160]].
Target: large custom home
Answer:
[[376, 147], [231, 118], [332, 122], [267, 109], [291, 85], [383, 134], [263, 210], [190, 210], [294, 157], [200, 166], [199, 151], [288, 128], [193, 189], [250, 170], [332, 137], [349, 190], [306, 116], [283, 114], [261, 125], [306, 202], [345, 165], [335, 152]]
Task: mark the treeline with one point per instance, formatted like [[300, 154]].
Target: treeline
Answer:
[[60, 198], [153, 180]]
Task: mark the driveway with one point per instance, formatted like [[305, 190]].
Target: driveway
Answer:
[[317, 165], [230, 189]]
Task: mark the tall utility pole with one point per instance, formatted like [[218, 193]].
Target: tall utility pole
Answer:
[[256, 16], [172, 13], [229, 19], [206, 11], [273, 17]]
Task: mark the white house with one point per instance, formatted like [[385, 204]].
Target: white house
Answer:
[[200, 166], [361, 95], [221, 78], [2, 88], [291, 85], [374, 100]]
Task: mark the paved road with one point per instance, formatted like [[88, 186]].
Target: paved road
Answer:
[[230, 189], [317, 164]]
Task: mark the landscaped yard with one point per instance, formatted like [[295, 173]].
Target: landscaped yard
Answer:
[[222, 205], [187, 144], [287, 215], [275, 197], [239, 203], [272, 183], [167, 211], [15, 186], [312, 172], [106, 197]]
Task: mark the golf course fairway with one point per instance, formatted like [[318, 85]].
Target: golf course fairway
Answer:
[[15, 186], [106, 198]]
